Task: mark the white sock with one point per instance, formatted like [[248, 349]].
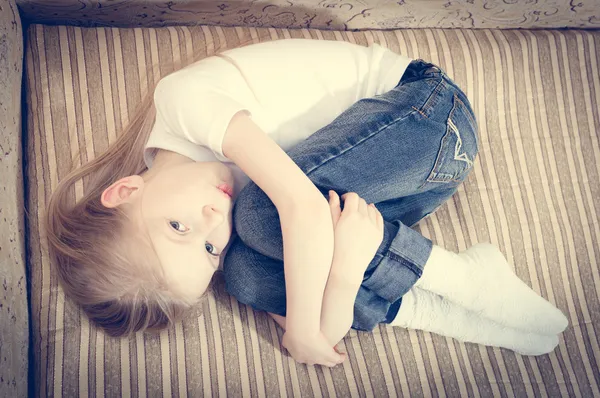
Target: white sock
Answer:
[[428, 311], [480, 280]]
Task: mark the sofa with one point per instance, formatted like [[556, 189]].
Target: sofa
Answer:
[[72, 73]]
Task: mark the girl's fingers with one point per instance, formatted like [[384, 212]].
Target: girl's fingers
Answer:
[[372, 212], [351, 201], [334, 204], [362, 206]]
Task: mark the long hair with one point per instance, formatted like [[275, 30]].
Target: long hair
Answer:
[[121, 290]]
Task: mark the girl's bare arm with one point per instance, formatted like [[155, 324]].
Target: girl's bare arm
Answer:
[[306, 223]]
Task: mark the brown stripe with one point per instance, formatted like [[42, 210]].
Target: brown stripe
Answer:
[[34, 173]]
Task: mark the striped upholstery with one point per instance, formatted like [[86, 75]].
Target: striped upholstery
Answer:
[[534, 192]]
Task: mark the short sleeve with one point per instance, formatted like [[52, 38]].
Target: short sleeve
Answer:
[[197, 106]]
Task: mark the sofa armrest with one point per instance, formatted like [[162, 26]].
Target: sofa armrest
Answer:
[[14, 314]]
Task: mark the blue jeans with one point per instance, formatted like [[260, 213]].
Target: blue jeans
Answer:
[[406, 150]]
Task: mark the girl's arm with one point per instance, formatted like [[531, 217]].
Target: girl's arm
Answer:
[[306, 223], [338, 306]]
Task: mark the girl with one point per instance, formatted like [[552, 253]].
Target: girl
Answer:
[[278, 128]]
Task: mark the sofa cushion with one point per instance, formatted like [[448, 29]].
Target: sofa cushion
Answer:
[[533, 192]]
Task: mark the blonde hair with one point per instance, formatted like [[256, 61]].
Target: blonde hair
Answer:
[[90, 251]]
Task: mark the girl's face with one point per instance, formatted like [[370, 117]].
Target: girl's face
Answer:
[[188, 220]]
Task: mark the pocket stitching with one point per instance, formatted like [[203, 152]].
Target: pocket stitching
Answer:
[[435, 176]]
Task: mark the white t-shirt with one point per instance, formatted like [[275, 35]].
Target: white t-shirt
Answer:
[[290, 88]]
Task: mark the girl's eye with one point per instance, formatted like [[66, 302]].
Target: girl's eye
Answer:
[[208, 247], [177, 226]]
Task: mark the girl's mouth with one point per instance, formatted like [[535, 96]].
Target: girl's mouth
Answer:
[[226, 189]]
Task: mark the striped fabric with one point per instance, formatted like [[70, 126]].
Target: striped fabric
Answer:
[[534, 192]]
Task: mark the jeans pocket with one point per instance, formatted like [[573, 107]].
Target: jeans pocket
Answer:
[[459, 145]]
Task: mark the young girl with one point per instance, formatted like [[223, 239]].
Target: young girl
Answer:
[[280, 129]]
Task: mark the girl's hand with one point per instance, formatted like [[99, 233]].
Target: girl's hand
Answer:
[[358, 232], [312, 350]]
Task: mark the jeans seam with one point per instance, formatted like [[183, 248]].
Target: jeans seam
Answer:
[[405, 261], [393, 122], [430, 100]]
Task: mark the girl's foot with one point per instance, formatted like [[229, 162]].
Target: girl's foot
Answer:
[[480, 280], [429, 312]]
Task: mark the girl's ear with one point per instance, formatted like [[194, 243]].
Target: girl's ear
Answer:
[[123, 191]]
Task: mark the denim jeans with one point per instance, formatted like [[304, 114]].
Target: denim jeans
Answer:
[[406, 150]]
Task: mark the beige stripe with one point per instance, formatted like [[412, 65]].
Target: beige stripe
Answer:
[[254, 35], [401, 43], [141, 364], [293, 372], [595, 145], [557, 233], [433, 54], [125, 368], [442, 40], [382, 40], [85, 103], [255, 345], [351, 37], [47, 121], [213, 314], [384, 362], [221, 36], [319, 35], [120, 76], [175, 49], [181, 368], [305, 33], [189, 46], [369, 36], [577, 192], [239, 31], [204, 363], [363, 374], [106, 77], [479, 181], [238, 331], [415, 54], [139, 47], [313, 380], [154, 54], [166, 363], [277, 349], [99, 364], [434, 363], [531, 200], [416, 349], [208, 40]]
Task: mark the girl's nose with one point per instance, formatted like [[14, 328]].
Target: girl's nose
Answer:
[[211, 212]]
